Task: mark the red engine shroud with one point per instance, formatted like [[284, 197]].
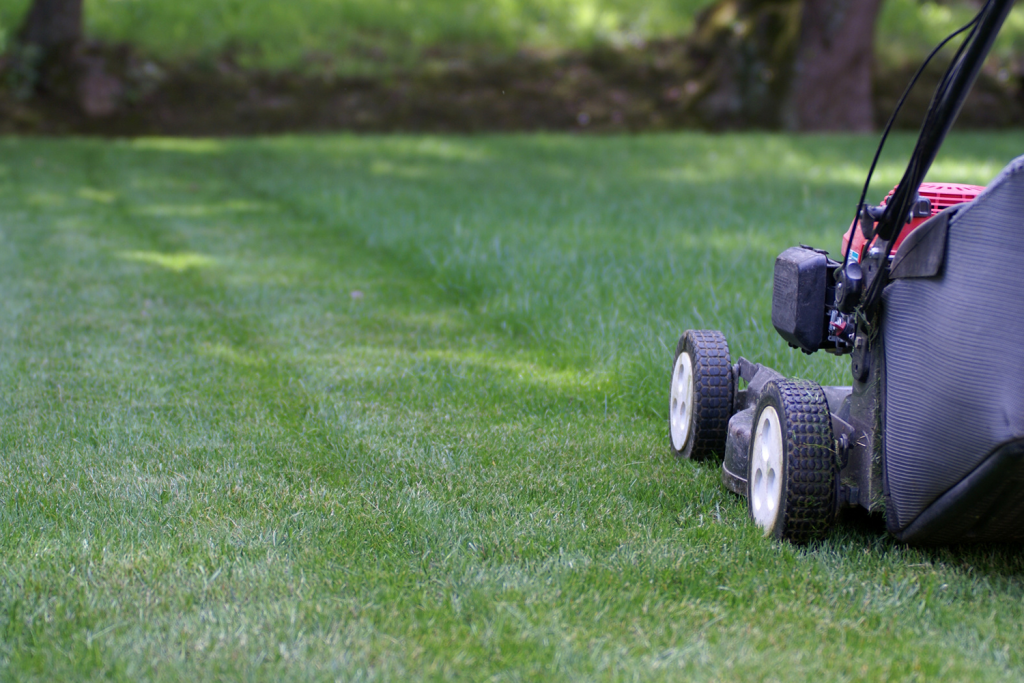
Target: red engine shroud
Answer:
[[941, 195]]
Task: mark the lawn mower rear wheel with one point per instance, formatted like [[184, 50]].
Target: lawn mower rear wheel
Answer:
[[700, 403]]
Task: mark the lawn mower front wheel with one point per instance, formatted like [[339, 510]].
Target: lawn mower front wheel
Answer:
[[791, 470], [701, 397]]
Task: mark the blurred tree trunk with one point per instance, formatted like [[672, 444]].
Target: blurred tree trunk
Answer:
[[43, 55], [832, 87], [794, 64], [50, 59], [52, 24]]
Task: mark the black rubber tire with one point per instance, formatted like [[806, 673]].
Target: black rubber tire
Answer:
[[807, 506], [712, 394]]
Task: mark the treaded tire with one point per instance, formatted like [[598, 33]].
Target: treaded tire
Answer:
[[804, 489], [699, 416]]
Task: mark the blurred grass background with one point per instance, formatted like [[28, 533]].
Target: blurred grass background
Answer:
[[347, 37]]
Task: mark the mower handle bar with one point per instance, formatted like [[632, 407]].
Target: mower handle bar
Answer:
[[942, 115]]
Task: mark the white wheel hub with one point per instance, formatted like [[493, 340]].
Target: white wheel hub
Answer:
[[765, 485], [680, 410]]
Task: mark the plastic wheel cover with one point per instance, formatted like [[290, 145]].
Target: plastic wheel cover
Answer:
[[766, 470], [681, 401]]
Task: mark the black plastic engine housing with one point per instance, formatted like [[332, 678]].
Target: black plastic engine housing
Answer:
[[801, 296]]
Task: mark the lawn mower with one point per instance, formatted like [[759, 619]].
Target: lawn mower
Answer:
[[928, 302]]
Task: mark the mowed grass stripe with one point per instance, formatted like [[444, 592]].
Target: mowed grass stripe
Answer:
[[217, 462]]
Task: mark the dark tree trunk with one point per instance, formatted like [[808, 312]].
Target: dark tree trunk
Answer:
[[43, 58], [832, 73], [52, 24], [795, 64], [51, 60]]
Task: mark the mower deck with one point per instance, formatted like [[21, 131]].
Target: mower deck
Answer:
[[855, 474]]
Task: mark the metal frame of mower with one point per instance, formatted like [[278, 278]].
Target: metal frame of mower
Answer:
[[798, 451]]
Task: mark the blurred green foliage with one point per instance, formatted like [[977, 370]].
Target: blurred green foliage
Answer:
[[365, 35], [278, 34], [910, 28]]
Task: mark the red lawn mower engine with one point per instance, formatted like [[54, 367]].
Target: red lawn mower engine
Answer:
[[932, 198], [803, 298]]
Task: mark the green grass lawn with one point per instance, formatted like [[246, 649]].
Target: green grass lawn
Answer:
[[322, 408]]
